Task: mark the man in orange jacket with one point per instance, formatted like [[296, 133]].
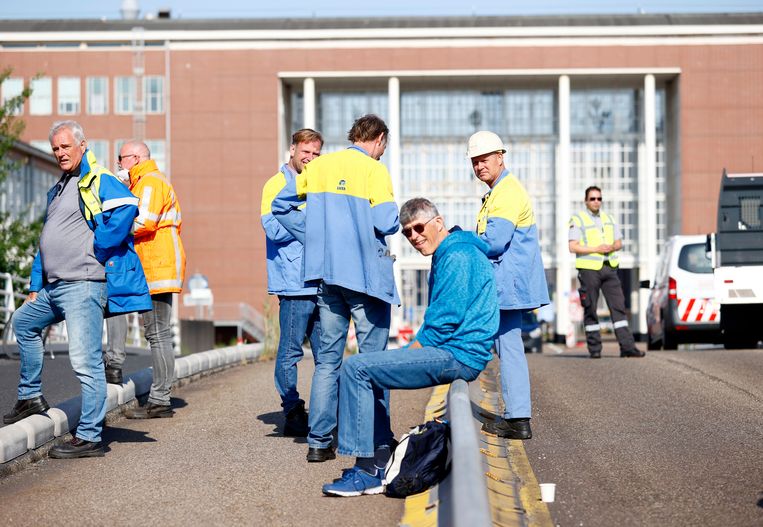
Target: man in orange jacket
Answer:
[[157, 242]]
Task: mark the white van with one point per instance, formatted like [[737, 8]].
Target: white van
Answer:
[[682, 306]]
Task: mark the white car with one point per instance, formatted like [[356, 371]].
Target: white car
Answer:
[[682, 306]]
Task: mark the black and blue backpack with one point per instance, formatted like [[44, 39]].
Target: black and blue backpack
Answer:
[[420, 461]]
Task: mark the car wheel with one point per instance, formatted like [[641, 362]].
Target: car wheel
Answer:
[[669, 340], [739, 343]]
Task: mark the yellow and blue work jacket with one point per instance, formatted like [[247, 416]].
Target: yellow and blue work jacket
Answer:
[[109, 209], [350, 210], [507, 224], [284, 251]]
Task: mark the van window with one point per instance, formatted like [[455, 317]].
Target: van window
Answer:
[[693, 258]]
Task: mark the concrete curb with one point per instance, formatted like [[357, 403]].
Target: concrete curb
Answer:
[[35, 434]]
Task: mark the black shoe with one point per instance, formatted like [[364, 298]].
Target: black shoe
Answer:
[[635, 353], [25, 408], [596, 355], [113, 375], [319, 455], [514, 429], [296, 422], [149, 411], [77, 448]]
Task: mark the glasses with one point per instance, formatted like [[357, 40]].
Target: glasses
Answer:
[[120, 158], [595, 199], [419, 228]]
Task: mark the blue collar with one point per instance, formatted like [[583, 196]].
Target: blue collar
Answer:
[[359, 149], [287, 171]]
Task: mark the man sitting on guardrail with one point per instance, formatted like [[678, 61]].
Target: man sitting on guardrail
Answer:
[[454, 342]]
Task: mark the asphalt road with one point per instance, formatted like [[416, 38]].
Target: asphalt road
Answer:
[[673, 439], [58, 380], [221, 460]]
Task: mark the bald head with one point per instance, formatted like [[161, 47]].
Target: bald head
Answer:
[[132, 153]]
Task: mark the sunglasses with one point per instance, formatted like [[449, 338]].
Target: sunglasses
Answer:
[[120, 158], [419, 228], [594, 199]]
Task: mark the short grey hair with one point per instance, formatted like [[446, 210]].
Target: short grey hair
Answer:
[[413, 208], [73, 126]]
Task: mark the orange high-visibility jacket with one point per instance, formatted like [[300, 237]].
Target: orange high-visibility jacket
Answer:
[[157, 229]]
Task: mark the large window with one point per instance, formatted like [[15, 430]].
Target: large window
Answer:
[[158, 150], [68, 95], [100, 149], [41, 100], [337, 111], [12, 87], [124, 95], [97, 95], [153, 93]]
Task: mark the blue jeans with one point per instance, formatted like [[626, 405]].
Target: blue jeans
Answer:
[[400, 369], [298, 316], [515, 375], [81, 304], [371, 317], [157, 324]]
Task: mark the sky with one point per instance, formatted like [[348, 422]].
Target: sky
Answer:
[[109, 9]]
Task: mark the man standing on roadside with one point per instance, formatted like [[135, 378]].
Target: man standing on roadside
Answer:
[[86, 262], [157, 241], [506, 223], [594, 238], [350, 211], [298, 310], [454, 342]]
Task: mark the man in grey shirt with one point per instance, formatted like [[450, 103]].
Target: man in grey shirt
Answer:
[[86, 263]]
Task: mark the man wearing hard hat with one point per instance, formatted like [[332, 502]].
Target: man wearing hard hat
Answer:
[[506, 223]]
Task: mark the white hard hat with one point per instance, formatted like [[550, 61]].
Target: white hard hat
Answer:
[[484, 142]]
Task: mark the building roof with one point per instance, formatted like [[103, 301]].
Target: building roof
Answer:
[[160, 24]]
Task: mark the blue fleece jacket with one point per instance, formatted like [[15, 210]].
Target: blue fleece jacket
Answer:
[[462, 316]]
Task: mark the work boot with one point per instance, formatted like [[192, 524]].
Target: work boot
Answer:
[[113, 375], [509, 428], [149, 411], [319, 455], [26, 407], [77, 448], [296, 421], [634, 353]]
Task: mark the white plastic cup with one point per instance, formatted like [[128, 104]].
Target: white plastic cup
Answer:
[[547, 492]]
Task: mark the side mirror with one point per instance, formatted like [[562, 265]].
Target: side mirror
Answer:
[[644, 284]]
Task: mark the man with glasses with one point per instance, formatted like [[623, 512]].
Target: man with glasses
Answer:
[[454, 342], [349, 212], [297, 302], [157, 241], [506, 222], [594, 238]]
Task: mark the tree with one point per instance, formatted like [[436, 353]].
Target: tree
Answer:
[[18, 238]]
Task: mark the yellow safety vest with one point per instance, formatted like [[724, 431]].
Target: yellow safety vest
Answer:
[[592, 236]]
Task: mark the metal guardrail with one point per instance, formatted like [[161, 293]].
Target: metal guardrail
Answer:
[[241, 315], [467, 503]]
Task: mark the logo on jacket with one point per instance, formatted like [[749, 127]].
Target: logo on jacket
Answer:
[[342, 185]]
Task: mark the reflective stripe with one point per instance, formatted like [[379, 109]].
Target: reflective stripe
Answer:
[[178, 256], [620, 324], [118, 202], [163, 284], [592, 327], [145, 213]]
